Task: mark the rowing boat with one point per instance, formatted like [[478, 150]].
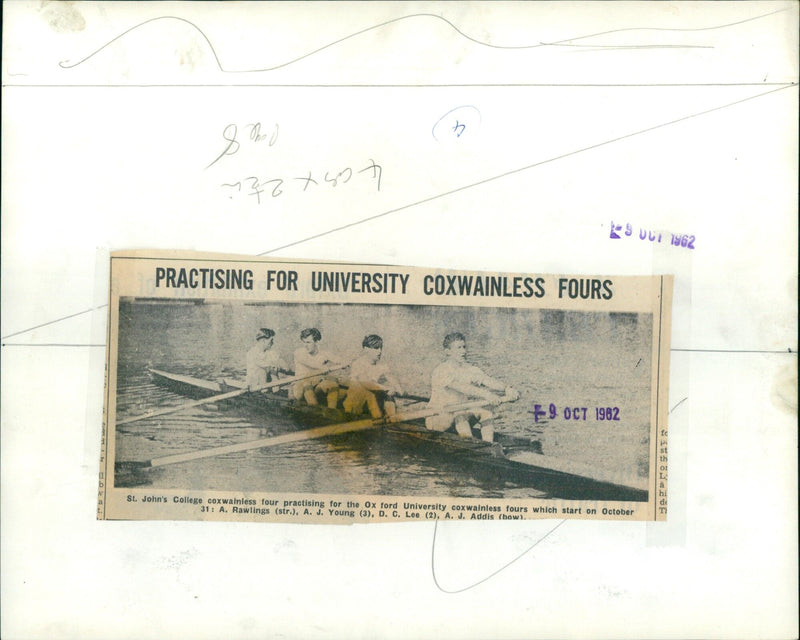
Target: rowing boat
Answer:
[[519, 459], [278, 401]]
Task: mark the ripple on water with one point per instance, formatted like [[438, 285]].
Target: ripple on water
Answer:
[[564, 359]]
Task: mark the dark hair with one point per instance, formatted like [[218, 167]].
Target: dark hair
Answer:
[[311, 332], [372, 342], [450, 338], [264, 334]]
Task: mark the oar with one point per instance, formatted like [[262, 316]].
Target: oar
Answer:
[[318, 432], [226, 396], [375, 387], [411, 396]]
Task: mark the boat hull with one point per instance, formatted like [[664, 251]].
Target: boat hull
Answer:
[[489, 459]]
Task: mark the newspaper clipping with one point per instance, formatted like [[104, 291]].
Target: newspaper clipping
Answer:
[[270, 390]]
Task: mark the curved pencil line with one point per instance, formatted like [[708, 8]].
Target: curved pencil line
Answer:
[[65, 65], [720, 26], [491, 575], [388, 22], [678, 405]]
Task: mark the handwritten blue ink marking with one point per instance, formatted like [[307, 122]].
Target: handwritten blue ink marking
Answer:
[[466, 115]]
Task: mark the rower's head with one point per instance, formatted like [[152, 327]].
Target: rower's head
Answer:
[[265, 338], [455, 346], [310, 339], [373, 347]]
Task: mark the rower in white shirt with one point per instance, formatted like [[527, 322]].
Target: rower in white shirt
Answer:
[[263, 363], [310, 359], [455, 381], [370, 382]]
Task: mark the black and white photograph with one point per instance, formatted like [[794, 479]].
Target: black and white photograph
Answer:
[[416, 403]]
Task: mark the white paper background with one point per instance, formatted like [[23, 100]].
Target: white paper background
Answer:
[[661, 121]]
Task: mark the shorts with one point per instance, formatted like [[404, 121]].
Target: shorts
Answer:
[[358, 396], [318, 384], [446, 421]]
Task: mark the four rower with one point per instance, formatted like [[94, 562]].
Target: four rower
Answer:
[[263, 364], [370, 384], [455, 381], [309, 360]]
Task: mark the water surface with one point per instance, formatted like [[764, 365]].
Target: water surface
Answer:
[[575, 359]]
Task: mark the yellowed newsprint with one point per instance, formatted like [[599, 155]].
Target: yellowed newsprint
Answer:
[[273, 390]]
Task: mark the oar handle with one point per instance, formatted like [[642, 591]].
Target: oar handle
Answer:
[[284, 381], [437, 411]]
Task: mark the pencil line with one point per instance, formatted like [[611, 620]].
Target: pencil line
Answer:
[[721, 26], [491, 575], [660, 320], [518, 170], [44, 324], [49, 344], [66, 65], [678, 405], [594, 49], [787, 352], [472, 85], [75, 344]]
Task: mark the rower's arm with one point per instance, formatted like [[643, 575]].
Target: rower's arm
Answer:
[[498, 385], [282, 367], [332, 362], [282, 372], [493, 383], [393, 383], [473, 390]]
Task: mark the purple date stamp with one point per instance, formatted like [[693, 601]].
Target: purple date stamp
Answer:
[[683, 240], [551, 412]]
